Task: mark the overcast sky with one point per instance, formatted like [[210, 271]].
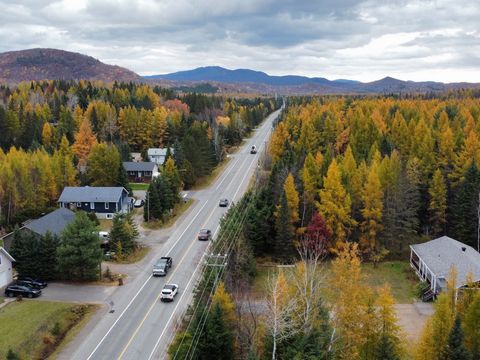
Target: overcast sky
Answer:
[[363, 40]]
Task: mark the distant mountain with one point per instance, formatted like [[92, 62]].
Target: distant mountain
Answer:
[[42, 64], [222, 75], [245, 80]]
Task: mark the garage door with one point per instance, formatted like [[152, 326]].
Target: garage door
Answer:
[[4, 278]]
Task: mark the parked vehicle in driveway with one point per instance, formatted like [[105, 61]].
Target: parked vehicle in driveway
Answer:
[[169, 291], [253, 150], [223, 203], [24, 290], [138, 203], [204, 234], [32, 281], [160, 268]]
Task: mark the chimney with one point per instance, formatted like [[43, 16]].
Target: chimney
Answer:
[[464, 248]]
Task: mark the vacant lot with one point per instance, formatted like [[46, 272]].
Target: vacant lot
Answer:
[[33, 329], [397, 274]]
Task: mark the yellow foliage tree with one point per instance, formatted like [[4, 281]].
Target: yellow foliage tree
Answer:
[[292, 198], [84, 141]]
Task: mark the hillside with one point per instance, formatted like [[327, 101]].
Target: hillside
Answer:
[[245, 80], [41, 64]]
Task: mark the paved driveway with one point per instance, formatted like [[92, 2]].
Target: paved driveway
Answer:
[[77, 293]]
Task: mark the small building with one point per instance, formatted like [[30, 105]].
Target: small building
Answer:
[[433, 260], [158, 155], [103, 201], [141, 171], [5, 267], [53, 222]]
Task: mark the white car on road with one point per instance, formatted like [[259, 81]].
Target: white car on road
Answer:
[[169, 291]]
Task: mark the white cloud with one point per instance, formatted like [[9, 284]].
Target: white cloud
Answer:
[[363, 40]]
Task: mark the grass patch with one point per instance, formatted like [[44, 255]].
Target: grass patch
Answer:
[[105, 224], [138, 254], [397, 274], [139, 186], [30, 327], [178, 210], [207, 180]]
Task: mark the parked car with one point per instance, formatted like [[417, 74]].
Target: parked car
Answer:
[[40, 284], [138, 203], [169, 291], [204, 234], [160, 268], [24, 290], [223, 203], [253, 150]]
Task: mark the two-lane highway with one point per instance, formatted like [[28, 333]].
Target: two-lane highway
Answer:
[[142, 325]]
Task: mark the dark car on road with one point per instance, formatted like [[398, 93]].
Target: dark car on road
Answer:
[[37, 283], [160, 268], [204, 234], [223, 203], [253, 150], [24, 290]]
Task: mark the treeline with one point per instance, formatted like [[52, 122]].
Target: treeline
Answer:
[[78, 133], [381, 172]]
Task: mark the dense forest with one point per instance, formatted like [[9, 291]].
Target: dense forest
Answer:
[[59, 133], [347, 180]]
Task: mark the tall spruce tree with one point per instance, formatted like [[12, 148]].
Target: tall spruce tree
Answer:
[[79, 255], [456, 349], [285, 231], [464, 210], [386, 349], [216, 340]]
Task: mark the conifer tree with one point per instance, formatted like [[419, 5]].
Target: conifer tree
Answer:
[[292, 198], [84, 141], [216, 340], [438, 203], [472, 330], [284, 229], [335, 205], [103, 165], [456, 349]]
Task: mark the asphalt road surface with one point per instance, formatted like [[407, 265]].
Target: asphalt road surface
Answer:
[[141, 327]]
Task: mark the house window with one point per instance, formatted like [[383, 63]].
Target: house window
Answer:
[[107, 205], [79, 204], [92, 206], [109, 216]]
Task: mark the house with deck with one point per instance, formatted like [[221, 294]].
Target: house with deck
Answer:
[[103, 201], [433, 260], [141, 171], [6, 261], [53, 222]]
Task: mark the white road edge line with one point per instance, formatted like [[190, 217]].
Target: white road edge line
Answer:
[[145, 283]]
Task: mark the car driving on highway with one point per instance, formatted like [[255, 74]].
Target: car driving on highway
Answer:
[[223, 203], [253, 150], [169, 291], [204, 234], [160, 268]]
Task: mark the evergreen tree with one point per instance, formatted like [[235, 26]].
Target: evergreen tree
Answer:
[[25, 247], [284, 229], [47, 254], [12, 355], [79, 254], [464, 210], [456, 349], [438, 204], [122, 179], [216, 340], [103, 165], [386, 349], [124, 231]]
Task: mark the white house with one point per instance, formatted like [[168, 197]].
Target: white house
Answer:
[[5, 267], [158, 155], [433, 260]]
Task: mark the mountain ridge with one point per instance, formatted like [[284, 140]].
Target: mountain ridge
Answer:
[[55, 64]]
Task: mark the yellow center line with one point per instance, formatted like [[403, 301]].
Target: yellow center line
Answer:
[[158, 297]]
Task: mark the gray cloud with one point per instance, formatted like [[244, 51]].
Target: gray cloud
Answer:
[[358, 39]]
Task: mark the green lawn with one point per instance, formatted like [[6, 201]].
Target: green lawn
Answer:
[[105, 224], [397, 274], [139, 186], [26, 326]]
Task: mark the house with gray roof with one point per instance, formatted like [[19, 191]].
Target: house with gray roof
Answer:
[[143, 171], [158, 155], [433, 260], [53, 222], [103, 201]]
